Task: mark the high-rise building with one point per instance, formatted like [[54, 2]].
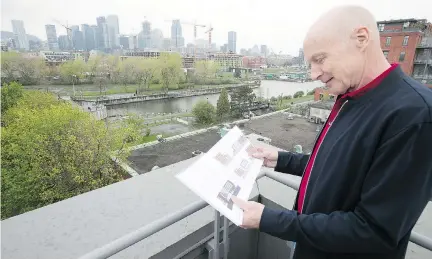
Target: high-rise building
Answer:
[[89, 37], [95, 32], [301, 57], [157, 39], [176, 34], [101, 37], [113, 30], [133, 42], [167, 44], [264, 50], [144, 38], [232, 41], [52, 37], [63, 42], [124, 42], [78, 42], [20, 34]]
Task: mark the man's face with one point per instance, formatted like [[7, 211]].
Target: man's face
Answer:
[[338, 64]]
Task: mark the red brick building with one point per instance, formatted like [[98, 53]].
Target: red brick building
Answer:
[[254, 62], [399, 40]]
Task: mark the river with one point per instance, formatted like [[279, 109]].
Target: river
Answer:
[[268, 89]]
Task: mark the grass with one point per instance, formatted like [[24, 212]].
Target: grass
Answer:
[[146, 139]]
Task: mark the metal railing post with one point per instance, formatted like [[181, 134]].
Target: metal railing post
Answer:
[[216, 235], [225, 238]]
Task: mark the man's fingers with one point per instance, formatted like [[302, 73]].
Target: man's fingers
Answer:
[[239, 202]]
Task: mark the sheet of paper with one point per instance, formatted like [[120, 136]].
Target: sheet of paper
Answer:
[[225, 170]]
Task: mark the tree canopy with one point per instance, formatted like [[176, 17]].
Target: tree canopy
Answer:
[[204, 112], [223, 105], [52, 151]]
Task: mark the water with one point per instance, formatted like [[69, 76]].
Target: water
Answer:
[[268, 89]]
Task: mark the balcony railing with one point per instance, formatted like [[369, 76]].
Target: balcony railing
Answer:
[[423, 61], [425, 45], [215, 248]]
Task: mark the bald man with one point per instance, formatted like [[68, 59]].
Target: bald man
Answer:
[[369, 176]]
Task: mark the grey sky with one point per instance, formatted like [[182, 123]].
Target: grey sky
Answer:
[[280, 24]]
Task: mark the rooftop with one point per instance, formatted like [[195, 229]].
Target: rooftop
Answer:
[[284, 134], [323, 105], [401, 21]]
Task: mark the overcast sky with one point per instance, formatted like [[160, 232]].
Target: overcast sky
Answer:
[[280, 24]]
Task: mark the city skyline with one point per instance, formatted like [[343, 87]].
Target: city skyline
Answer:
[[281, 29]]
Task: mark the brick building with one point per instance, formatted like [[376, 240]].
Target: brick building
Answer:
[[399, 40], [254, 62]]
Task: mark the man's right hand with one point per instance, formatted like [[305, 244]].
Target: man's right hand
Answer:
[[269, 156]]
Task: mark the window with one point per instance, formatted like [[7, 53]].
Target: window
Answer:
[[385, 54], [402, 56], [381, 27], [405, 41], [388, 41]]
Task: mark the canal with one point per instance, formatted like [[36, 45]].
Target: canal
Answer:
[[268, 89]]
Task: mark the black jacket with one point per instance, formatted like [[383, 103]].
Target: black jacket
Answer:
[[371, 179]]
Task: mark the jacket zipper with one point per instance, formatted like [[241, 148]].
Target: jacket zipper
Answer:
[[310, 173]]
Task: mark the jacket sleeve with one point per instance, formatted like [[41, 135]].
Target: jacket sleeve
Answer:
[[291, 163], [395, 191]]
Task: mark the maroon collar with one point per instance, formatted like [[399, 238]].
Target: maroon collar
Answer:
[[372, 84]]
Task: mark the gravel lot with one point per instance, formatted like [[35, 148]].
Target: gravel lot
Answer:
[[283, 133]]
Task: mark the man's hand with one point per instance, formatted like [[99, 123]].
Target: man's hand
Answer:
[[269, 156], [252, 212]]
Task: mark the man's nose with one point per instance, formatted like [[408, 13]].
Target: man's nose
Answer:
[[316, 72]]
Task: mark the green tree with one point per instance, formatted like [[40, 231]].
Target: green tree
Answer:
[[206, 69], [52, 151], [241, 98], [170, 70], [298, 94], [144, 72], [10, 94], [204, 112], [223, 105], [26, 70], [72, 71]]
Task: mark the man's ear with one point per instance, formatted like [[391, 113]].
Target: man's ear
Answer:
[[361, 36]]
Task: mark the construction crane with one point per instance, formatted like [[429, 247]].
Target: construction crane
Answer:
[[68, 31], [209, 31], [195, 25]]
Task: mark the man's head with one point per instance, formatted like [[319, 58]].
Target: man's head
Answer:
[[343, 48]]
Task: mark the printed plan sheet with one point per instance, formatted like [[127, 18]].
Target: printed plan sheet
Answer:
[[225, 170]]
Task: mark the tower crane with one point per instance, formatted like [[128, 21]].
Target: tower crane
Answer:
[[209, 31], [68, 31], [195, 25]]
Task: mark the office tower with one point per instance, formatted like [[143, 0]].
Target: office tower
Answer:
[[264, 50], [144, 38], [157, 39], [64, 43], [102, 32], [301, 57], [52, 37], [124, 42], [77, 38], [232, 41], [133, 42], [113, 30], [176, 34], [95, 32], [20, 35], [89, 37]]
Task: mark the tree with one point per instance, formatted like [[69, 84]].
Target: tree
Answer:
[[52, 151], [72, 71], [204, 112], [127, 69], [145, 71], [223, 105], [298, 94], [26, 70], [10, 94], [205, 69], [170, 70], [241, 98]]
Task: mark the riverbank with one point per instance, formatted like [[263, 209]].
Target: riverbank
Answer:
[[94, 91]]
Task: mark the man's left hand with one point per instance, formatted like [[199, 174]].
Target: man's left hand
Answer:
[[252, 212]]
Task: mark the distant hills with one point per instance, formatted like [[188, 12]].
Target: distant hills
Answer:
[[7, 35]]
